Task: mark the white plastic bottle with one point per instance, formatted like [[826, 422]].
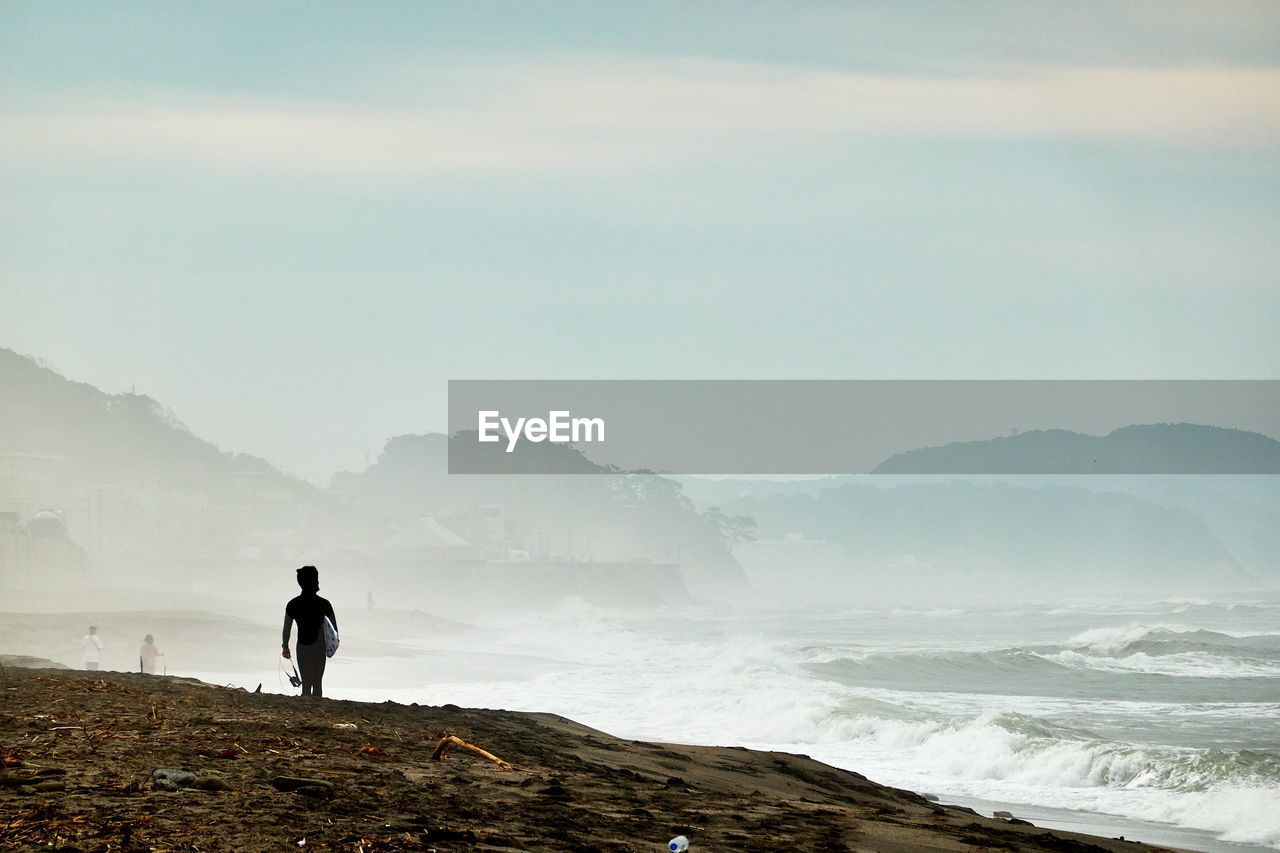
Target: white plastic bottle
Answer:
[[678, 844]]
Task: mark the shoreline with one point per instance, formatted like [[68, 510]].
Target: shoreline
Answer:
[[1110, 826], [93, 740], [248, 637]]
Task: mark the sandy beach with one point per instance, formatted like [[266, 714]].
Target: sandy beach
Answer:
[[81, 753]]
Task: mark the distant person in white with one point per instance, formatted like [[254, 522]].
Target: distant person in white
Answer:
[[147, 655], [92, 645]]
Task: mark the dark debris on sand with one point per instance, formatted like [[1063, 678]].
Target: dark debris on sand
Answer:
[[98, 762]]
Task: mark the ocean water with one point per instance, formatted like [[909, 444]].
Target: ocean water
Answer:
[[1162, 714]]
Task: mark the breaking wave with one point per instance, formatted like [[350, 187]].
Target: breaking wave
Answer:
[[1000, 755]]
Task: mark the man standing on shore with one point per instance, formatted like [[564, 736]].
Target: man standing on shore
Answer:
[[92, 646], [309, 610]]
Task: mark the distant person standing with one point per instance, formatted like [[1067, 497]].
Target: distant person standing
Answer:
[[147, 655], [309, 611], [92, 647]]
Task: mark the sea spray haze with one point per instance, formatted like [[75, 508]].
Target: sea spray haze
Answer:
[[968, 638]]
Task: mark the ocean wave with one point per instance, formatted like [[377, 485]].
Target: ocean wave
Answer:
[[1201, 607], [1174, 639], [1003, 755], [1177, 664], [998, 744], [923, 667], [1051, 672], [1246, 814], [931, 671]]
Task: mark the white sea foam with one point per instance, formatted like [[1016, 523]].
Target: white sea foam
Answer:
[[984, 756], [1116, 639], [1246, 814], [1182, 664]]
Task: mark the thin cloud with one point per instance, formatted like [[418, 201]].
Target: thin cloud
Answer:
[[587, 116]]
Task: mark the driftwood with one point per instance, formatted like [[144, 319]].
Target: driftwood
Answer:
[[449, 740]]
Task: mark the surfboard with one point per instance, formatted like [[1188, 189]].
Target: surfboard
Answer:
[[330, 637]]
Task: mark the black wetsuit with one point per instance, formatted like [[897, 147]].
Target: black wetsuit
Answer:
[[309, 610]]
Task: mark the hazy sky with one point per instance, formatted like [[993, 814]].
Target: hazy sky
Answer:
[[292, 222]]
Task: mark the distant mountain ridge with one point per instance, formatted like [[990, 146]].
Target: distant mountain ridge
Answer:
[[1140, 449], [132, 489], [105, 438]]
